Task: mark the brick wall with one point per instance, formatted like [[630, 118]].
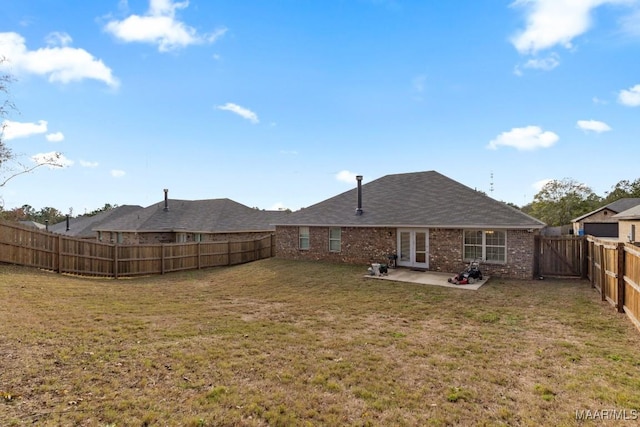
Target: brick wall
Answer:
[[366, 245]]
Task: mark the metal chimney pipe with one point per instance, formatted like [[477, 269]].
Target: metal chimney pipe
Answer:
[[359, 208], [166, 199], [67, 222]]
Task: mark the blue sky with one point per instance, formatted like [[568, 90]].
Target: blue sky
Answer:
[[279, 104]]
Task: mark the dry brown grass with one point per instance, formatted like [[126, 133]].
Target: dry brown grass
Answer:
[[293, 343]]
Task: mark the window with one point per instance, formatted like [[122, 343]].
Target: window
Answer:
[[335, 237], [303, 237], [489, 245], [632, 234], [197, 237], [181, 237]]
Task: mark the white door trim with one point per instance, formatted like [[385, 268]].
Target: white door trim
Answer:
[[413, 247]]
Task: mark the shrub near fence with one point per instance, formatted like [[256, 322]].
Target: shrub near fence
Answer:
[[35, 248], [614, 270]]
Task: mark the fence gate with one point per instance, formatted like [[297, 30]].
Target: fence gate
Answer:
[[561, 256]]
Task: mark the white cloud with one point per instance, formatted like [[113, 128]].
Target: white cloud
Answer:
[[526, 139], [55, 137], [593, 126], [86, 164], [346, 176], [630, 97], [554, 22], [117, 173], [59, 62], [13, 130], [241, 111], [159, 26], [546, 64], [58, 39], [52, 159]]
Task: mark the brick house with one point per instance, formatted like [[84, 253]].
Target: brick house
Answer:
[[425, 220], [182, 221]]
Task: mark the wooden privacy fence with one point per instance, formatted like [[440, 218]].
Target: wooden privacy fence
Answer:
[[561, 256], [614, 270], [35, 248]]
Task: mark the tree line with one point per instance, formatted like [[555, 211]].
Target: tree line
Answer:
[[45, 215]]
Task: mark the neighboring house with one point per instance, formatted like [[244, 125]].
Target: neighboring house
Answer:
[[180, 221], [601, 222], [629, 225], [427, 220], [82, 226]]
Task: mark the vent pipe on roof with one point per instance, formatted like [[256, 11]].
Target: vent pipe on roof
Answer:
[[67, 222], [359, 208], [166, 199]]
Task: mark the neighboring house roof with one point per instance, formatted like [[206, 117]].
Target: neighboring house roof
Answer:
[[618, 206], [33, 224], [83, 226], [425, 199], [632, 213], [199, 216]]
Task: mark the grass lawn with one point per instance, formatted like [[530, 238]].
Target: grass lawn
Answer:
[[284, 343]]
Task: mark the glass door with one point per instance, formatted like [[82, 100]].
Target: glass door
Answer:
[[413, 248]]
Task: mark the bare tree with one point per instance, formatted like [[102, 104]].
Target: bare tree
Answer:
[[10, 165]]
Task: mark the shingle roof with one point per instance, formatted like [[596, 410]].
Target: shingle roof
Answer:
[[202, 216], [618, 206], [631, 213], [33, 224], [83, 226], [426, 199]]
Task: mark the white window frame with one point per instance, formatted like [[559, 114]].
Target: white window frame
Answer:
[[304, 241], [484, 245], [335, 240]]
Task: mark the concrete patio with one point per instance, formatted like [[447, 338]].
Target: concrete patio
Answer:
[[426, 278]]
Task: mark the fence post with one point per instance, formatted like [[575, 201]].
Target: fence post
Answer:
[[161, 258], [592, 278], [272, 246], [585, 257], [199, 256], [603, 272], [115, 261], [59, 254], [621, 267]]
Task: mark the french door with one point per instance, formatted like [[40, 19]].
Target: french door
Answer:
[[413, 248]]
